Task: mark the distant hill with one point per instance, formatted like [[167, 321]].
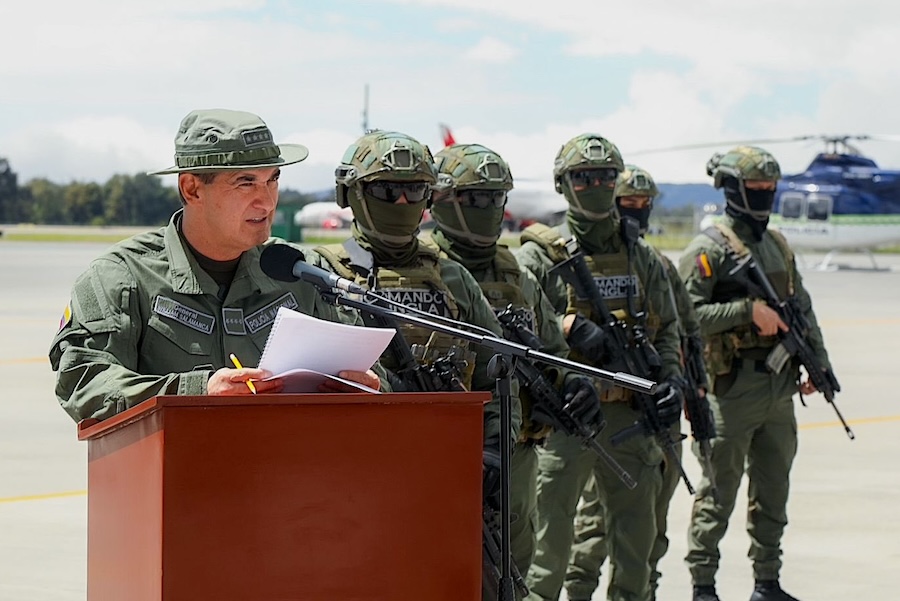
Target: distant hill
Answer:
[[674, 196]]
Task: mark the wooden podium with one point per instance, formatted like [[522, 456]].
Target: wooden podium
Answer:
[[287, 497]]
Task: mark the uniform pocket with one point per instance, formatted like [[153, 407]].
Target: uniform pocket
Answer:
[[175, 344]]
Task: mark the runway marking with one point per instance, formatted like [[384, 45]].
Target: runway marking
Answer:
[[852, 422], [24, 360], [51, 495]]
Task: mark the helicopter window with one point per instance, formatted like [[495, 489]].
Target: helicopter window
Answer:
[[818, 207], [792, 205]]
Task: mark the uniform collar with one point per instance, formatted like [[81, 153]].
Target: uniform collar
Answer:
[[188, 278]]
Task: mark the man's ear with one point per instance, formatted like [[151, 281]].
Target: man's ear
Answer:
[[189, 188]]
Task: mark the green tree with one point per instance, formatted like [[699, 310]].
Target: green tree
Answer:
[[83, 204], [46, 201], [12, 207]]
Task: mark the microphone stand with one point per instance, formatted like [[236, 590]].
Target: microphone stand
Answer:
[[501, 368]]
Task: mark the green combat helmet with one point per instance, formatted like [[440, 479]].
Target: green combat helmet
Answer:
[[743, 163], [634, 181], [587, 152], [471, 204], [732, 169], [383, 155], [392, 158]]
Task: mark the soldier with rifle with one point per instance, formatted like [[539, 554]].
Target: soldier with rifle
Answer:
[[387, 179], [635, 193], [468, 212], [614, 302], [759, 327]]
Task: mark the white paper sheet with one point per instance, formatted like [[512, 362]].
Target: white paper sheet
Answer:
[[300, 342]]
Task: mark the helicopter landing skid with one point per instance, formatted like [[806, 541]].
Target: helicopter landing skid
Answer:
[[827, 265]]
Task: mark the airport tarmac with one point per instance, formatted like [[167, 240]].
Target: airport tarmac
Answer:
[[842, 542]]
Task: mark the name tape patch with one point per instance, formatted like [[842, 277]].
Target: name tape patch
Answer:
[[617, 286], [431, 301], [192, 318], [265, 316]]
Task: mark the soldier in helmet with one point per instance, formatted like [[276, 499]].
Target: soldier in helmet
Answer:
[[634, 286], [387, 179], [635, 193], [469, 218], [754, 414]]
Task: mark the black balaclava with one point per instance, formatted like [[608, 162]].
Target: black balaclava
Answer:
[[753, 207]]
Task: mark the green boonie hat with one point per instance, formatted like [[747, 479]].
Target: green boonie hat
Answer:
[[220, 140]]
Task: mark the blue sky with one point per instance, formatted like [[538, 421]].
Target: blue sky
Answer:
[[97, 87]]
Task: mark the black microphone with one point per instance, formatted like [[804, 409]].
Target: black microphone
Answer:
[[285, 263]]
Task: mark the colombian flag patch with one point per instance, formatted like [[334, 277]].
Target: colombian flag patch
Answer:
[[66, 316], [703, 266]]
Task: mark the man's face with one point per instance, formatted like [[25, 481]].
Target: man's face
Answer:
[[232, 213], [759, 184]]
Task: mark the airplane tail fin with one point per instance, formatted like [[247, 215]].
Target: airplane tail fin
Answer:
[[447, 135]]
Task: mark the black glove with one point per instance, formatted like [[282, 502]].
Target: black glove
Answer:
[[490, 473], [582, 402], [587, 338], [669, 399]]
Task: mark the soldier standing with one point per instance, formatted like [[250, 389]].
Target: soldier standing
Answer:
[[635, 288], [635, 193], [753, 407], [469, 219]]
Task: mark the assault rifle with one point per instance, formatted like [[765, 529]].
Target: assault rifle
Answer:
[[630, 350], [792, 343], [546, 395], [443, 374], [703, 428]]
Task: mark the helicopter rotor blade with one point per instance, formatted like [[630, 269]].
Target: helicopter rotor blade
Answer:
[[702, 145]]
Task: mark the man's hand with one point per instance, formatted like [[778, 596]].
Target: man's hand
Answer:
[[669, 399], [586, 337], [583, 402], [807, 387], [767, 320], [366, 378], [234, 381]]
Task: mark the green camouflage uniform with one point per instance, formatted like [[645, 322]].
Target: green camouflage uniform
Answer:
[[589, 547], [564, 465], [754, 412], [147, 320]]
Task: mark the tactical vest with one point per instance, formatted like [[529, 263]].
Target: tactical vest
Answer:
[[419, 286], [610, 271], [742, 341]]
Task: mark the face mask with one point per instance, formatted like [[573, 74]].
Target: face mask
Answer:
[[393, 225], [478, 227], [642, 216], [594, 203]]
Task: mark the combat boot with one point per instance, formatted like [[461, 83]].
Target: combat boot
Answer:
[[706, 592], [770, 590]]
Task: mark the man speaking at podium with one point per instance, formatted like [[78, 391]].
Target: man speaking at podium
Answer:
[[160, 313]]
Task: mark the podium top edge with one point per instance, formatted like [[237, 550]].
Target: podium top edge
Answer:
[[90, 428]]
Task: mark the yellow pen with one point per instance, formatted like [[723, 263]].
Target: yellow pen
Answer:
[[238, 365]]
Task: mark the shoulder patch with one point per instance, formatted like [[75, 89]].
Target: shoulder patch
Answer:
[[66, 316], [704, 266]]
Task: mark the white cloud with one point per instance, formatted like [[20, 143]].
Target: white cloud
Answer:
[[491, 50]]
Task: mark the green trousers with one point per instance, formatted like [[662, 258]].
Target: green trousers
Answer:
[[564, 467], [589, 546], [523, 504], [756, 433]]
